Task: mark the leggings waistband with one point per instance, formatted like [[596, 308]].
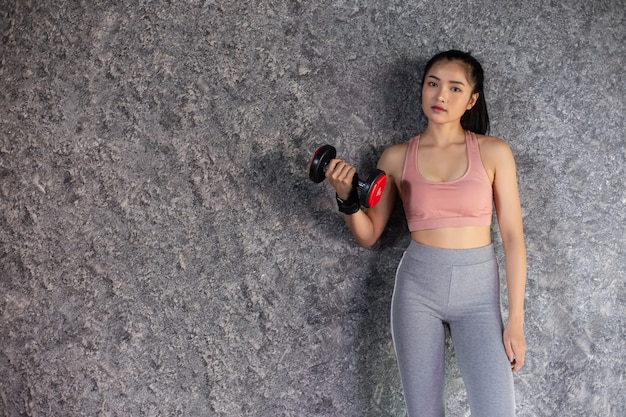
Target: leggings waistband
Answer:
[[432, 254]]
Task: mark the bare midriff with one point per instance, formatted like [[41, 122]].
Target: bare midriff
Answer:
[[468, 237]]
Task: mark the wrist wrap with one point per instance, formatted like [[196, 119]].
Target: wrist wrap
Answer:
[[351, 205]]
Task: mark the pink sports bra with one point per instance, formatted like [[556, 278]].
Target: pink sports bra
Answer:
[[467, 201]]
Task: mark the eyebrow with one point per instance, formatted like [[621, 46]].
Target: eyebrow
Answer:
[[451, 82]]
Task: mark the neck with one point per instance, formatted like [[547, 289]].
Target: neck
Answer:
[[444, 133]]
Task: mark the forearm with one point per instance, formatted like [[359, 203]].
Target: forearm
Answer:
[[515, 258], [362, 228]]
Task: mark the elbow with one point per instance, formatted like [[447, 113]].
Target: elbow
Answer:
[[364, 229], [512, 237], [514, 242], [366, 243]]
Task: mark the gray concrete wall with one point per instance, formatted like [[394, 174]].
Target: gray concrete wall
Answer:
[[163, 252]]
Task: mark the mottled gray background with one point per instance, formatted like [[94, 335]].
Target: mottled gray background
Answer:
[[163, 252]]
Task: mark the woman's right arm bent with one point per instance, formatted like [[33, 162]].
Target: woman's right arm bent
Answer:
[[367, 225]]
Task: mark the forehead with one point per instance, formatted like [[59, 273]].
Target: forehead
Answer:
[[449, 71]]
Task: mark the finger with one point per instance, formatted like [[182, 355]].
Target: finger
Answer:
[[340, 175], [332, 166], [519, 352], [343, 172], [520, 355]]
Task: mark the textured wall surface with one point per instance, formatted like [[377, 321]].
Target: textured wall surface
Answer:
[[163, 252]]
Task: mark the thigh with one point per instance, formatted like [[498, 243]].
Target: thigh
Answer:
[[484, 366], [419, 341]]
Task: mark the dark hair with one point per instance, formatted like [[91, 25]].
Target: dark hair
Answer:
[[475, 119]]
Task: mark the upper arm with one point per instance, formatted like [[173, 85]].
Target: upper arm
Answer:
[[506, 192], [392, 163]]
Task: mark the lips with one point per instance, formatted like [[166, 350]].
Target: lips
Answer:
[[438, 109]]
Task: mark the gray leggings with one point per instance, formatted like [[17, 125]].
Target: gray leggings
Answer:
[[460, 288]]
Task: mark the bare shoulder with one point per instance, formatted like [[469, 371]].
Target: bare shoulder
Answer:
[[493, 148], [392, 159], [395, 152], [492, 143]]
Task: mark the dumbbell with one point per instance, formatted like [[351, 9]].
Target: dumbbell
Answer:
[[370, 190]]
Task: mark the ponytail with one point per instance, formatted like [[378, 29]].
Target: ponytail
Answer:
[[476, 119]]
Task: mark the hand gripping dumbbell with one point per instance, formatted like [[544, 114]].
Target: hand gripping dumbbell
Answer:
[[370, 190]]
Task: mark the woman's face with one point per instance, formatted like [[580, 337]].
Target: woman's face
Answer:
[[447, 93]]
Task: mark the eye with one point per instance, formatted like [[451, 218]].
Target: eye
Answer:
[[432, 84], [456, 89]]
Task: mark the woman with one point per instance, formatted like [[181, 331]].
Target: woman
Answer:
[[449, 178]]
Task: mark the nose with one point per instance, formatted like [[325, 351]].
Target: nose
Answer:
[[442, 96]]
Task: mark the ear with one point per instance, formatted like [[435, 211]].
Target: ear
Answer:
[[473, 99]]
